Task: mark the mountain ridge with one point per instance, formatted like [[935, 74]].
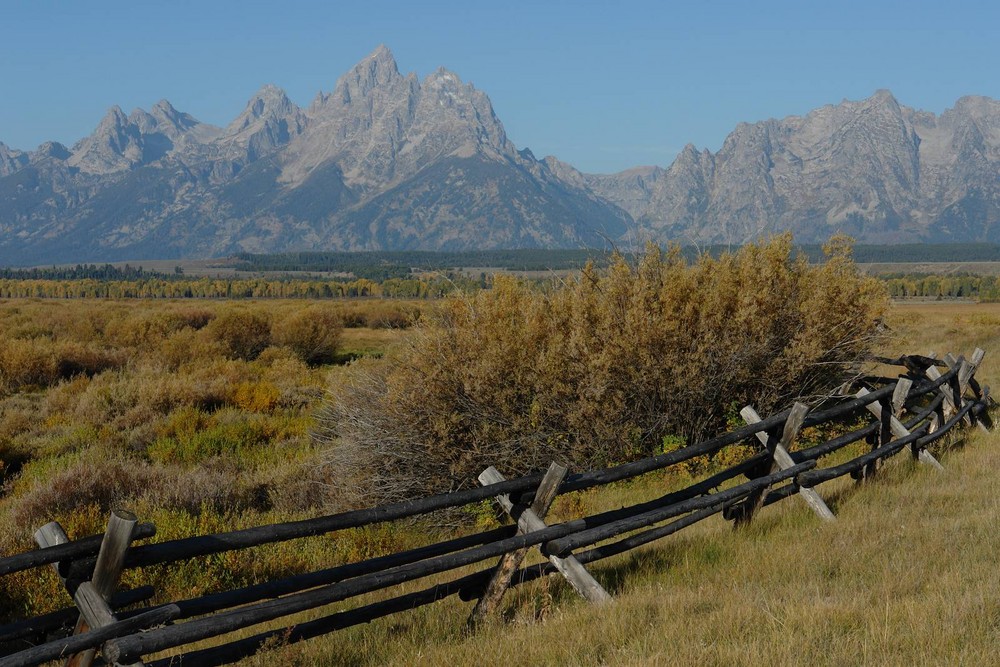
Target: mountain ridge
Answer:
[[387, 160]]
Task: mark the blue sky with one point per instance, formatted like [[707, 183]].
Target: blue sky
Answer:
[[602, 85]]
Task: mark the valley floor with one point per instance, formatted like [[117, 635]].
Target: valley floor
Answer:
[[906, 576]]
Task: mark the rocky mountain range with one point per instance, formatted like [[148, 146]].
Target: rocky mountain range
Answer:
[[877, 170], [392, 161]]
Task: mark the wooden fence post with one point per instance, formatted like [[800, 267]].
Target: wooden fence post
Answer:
[[781, 460], [885, 415], [570, 568], [899, 394], [948, 392], [897, 429], [509, 563], [91, 598], [981, 392], [50, 535], [967, 380]]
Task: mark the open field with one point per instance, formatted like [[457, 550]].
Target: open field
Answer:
[[904, 576], [193, 415]]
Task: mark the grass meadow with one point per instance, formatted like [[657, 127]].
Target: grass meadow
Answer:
[[203, 431]]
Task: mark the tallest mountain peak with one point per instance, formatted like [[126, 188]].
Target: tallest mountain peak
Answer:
[[380, 60], [376, 70], [382, 54]]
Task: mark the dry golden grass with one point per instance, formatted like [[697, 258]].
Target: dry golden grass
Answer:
[[191, 414], [906, 576]]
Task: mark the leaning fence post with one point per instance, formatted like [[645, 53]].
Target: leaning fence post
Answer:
[[547, 491], [897, 429], [527, 521], [981, 392], [92, 599], [898, 404], [966, 380], [885, 415], [782, 460], [50, 535], [952, 398]]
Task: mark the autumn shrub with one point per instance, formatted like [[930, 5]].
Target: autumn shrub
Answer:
[[139, 330], [191, 436], [122, 482], [390, 316], [599, 369], [73, 358], [381, 315], [353, 318], [28, 363], [126, 404], [195, 318], [243, 334], [256, 396], [189, 346], [312, 334], [297, 387]]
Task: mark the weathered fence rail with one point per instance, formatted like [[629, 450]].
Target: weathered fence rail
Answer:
[[908, 412]]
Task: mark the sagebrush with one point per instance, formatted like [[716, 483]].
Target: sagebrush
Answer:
[[600, 368]]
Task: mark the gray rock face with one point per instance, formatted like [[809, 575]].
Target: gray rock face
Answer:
[[880, 171], [392, 161], [11, 160], [269, 122], [382, 161]]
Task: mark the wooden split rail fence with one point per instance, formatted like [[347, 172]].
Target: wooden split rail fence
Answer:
[[909, 412]]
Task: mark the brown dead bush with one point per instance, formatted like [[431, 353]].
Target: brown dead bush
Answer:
[[313, 334], [28, 363], [600, 369], [243, 334], [122, 482]]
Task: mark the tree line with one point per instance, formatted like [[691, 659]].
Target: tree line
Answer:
[[964, 285], [430, 287]]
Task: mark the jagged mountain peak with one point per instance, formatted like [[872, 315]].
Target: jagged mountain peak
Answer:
[[977, 105], [168, 116], [269, 101], [270, 92], [114, 117], [883, 96], [882, 101], [114, 146], [690, 151], [11, 160], [50, 149], [165, 107], [376, 70], [379, 125], [382, 55], [269, 120]]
